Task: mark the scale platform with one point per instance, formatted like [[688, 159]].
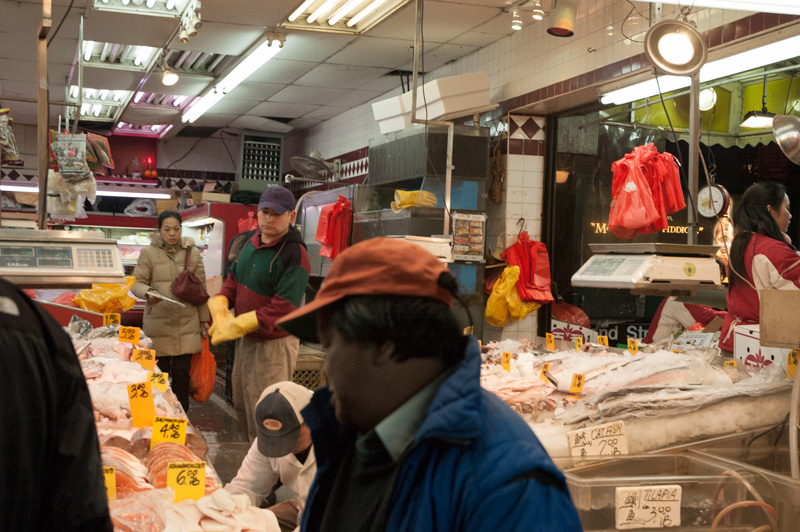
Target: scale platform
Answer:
[[651, 268], [55, 259]]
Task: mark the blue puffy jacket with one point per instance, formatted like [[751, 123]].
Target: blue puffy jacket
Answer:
[[475, 465]]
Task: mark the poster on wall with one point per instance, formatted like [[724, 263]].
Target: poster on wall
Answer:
[[469, 232]]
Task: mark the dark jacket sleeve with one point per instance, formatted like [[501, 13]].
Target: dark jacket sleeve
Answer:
[[54, 481]]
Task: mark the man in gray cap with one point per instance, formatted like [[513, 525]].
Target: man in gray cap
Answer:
[[282, 451], [266, 282]]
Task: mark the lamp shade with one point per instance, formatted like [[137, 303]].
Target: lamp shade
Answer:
[[786, 130], [675, 47], [562, 18]]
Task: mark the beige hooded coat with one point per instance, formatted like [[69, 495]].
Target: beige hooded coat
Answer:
[[174, 330]]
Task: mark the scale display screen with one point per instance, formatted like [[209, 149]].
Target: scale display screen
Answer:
[[36, 257], [53, 252], [16, 251], [54, 262]]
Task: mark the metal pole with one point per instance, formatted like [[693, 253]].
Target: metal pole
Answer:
[[694, 154], [43, 109], [417, 47], [448, 178]]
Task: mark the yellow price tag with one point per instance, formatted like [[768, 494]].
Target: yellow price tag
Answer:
[[468, 330], [578, 343], [188, 479], [129, 334], [603, 340], [110, 478], [791, 362], [111, 318], [140, 396], [506, 361], [633, 345], [730, 363], [551, 341], [159, 380], [168, 429], [576, 386], [145, 358], [545, 367]]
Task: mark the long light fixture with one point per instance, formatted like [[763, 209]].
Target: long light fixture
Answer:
[[742, 62], [113, 192], [346, 16], [255, 60], [787, 7]]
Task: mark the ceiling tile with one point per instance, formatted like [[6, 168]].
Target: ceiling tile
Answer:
[[476, 39], [254, 91], [112, 79], [187, 85], [341, 76], [383, 84], [298, 94], [211, 119], [283, 110], [260, 123], [219, 38], [146, 115], [232, 106], [354, 98], [324, 112], [248, 12], [439, 56], [303, 123], [278, 70], [312, 46], [124, 28], [442, 21], [371, 51]]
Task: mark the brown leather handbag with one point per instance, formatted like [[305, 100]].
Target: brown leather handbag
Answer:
[[187, 287]]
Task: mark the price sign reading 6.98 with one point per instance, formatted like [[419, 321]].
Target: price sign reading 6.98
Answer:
[[188, 479]]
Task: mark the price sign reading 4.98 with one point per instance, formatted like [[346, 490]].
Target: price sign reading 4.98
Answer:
[[506, 361], [188, 479], [110, 478], [143, 410], [129, 334], [145, 358], [633, 345], [111, 318], [168, 429]]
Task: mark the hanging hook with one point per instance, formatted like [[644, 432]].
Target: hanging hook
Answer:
[[521, 225]]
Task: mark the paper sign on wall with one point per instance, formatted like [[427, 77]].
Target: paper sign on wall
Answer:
[[607, 439], [648, 506], [188, 479]]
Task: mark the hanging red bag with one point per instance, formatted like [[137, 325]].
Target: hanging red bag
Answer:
[[249, 223], [202, 373], [534, 264]]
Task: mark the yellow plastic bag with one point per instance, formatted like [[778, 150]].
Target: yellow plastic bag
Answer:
[[504, 304], [106, 297]]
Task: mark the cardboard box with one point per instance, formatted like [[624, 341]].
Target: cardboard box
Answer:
[[567, 332], [166, 204], [214, 197], [748, 351], [195, 199], [694, 340]]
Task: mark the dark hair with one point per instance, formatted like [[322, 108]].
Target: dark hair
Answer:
[[168, 214], [751, 216], [418, 326]]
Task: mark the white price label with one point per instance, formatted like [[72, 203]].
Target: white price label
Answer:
[[648, 507], [607, 439]]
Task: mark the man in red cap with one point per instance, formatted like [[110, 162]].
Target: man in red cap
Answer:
[[404, 435], [266, 282]]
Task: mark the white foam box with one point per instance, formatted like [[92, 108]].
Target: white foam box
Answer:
[[450, 95], [391, 114], [748, 351], [689, 340], [566, 331], [441, 247]]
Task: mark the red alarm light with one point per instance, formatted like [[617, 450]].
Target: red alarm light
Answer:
[[149, 160]]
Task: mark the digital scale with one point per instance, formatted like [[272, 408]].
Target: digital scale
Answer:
[[651, 268], [50, 259]]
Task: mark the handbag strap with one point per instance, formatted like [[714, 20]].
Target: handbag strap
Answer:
[[188, 257]]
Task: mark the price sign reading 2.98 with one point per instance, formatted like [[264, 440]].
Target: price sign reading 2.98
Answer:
[[188, 479]]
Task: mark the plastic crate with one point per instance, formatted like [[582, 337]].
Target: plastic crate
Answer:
[[308, 372]]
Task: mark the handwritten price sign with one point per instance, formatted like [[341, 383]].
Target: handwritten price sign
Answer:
[[159, 380], [578, 344], [110, 478], [188, 479], [607, 439], [545, 368], [111, 318], [168, 429], [129, 334], [145, 358], [140, 396], [648, 506], [791, 362], [551, 341], [506, 361], [633, 345], [603, 340], [576, 385]]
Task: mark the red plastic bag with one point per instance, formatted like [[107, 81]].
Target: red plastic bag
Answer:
[[534, 265], [249, 223], [570, 314], [201, 376]]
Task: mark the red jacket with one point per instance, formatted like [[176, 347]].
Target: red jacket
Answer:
[[769, 263]]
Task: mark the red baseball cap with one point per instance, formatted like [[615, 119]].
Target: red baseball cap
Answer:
[[375, 267]]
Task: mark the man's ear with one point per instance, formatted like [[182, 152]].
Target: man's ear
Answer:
[[384, 353]]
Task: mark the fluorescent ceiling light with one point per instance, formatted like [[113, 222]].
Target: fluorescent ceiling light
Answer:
[[200, 222], [117, 192], [103, 94], [364, 12], [789, 7], [322, 10], [758, 120], [74, 91], [299, 11], [742, 62], [143, 55], [19, 188], [164, 131], [88, 47], [344, 11], [255, 60]]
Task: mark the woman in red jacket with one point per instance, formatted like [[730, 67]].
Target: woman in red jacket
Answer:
[[761, 257]]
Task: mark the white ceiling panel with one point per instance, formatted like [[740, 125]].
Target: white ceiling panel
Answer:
[[15, 15], [260, 123], [281, 71], [371, 51], [354, 98], [383, 85], [124, 28], [341, 76], [476, 39], [254, 91], [210, 119], [22, 89], [299, 94], [443, 21], [324, 112], [439, 56], [282, 110], [187, 85], [219, 38], [268, 13], [112, 79], [148, 116], [312, 46], [230, 106]]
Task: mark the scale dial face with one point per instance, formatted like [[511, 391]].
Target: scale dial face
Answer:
[[711, 201]]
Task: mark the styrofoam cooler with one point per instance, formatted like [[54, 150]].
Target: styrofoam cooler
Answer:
[[450, 95], [748, 351], [391, 114]]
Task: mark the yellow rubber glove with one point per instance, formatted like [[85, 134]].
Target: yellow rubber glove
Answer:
[[233, 328], [218, 307], [404, 199]]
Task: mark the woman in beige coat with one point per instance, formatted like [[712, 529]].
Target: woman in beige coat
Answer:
[[175, 330]]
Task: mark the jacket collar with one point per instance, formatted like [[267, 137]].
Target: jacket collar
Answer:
[[293, 235], [157, 241], [453, 415]]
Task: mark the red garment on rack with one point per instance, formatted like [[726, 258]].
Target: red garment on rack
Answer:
[[645, 189], [534, 268], [333, 230]]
